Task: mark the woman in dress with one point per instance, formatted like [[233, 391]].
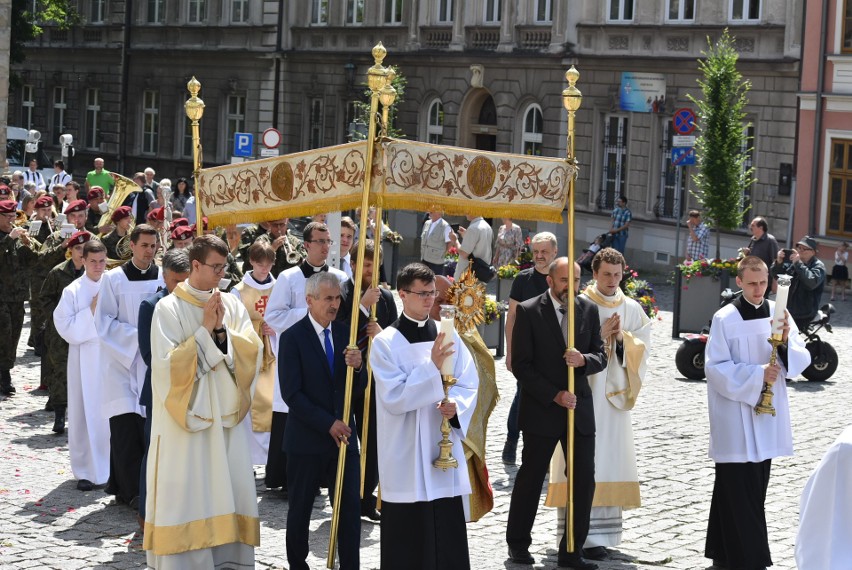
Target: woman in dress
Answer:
[[510, 240], [840, 273]]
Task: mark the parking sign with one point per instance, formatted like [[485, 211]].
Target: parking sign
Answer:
[[243, 144]]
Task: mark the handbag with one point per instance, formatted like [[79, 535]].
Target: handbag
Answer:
[[483, 271]]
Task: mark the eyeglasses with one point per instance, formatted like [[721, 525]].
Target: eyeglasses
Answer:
[[320, 241], [801, 247], [216, 267], [422, 294]]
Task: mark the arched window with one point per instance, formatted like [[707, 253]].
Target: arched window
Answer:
[[435, 122], [531, 134]]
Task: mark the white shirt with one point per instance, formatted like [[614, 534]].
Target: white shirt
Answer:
[[320, 330]]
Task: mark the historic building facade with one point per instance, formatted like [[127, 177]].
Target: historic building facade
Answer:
[[482, 73]]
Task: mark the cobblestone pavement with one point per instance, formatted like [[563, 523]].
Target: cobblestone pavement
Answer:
[[47, 523]]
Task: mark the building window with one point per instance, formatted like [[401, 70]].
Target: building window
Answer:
[[681, 10], [671, 178], [354, 11], [543, 11], [355, 122], [235, 120], [315, 120], [745, 10], [435, 122], [59, 107], [156, 11], [186, 149], [614, 167], [319, 12], [748, 163], [239, 11], [150, 121], [445, 11], [620, 11], [93, 113], [493, 10], [531, 136], [96, 13], [840, 189], [393, 11], [197, 11], [27, 106], [847, 27]]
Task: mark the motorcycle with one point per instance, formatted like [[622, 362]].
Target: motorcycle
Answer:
[[689, 358]]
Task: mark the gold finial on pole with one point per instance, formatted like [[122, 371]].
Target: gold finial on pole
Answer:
[[376, 79], [194, 111], [571, 99]]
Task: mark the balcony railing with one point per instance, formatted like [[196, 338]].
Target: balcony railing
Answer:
[[534, 38], [482, 38]]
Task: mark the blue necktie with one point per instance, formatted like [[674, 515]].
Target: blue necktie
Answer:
[[329, 351]]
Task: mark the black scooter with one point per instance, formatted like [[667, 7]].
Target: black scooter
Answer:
[[690, 354]]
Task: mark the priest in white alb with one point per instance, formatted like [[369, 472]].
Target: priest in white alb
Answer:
[[74, 319], [743, 443], [626, 332], [201, 509], [423, 519], [123, 371]]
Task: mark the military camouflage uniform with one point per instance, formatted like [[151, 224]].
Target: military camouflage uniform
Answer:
[[111, 242], [247, 239], [15, 258], [54, 362], [281, 262]]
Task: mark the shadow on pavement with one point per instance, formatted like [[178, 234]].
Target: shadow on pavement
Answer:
[[806, 386]]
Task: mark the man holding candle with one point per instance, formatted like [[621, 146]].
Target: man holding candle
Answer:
[[423, 521], [742, 443]]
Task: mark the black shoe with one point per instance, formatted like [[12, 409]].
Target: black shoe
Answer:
[[520, 556], [576, 562], [510, 451], [85, 485], [596, 553], [6, 387], [59, 419], [719, 564], [372, 514]]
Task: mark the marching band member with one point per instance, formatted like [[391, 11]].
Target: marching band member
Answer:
[[121, 219]]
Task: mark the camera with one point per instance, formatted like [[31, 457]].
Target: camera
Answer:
[[787, 253]]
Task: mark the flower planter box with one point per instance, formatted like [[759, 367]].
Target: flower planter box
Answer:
[[699, 299], [504, 287], [490, 334]]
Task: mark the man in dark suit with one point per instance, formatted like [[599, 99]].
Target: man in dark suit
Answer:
[[539, 362], [312, 363], [386, 314], [176, 268]]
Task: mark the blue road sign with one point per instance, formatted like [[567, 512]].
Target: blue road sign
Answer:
[[683, 156], [684, 121], [243, 144]]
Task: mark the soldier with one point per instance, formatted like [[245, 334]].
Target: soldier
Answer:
[[247, 239], [287, 255], [121, 218], [95, 197], [181, 237], [54, 362], [43, 214], [16, 254]]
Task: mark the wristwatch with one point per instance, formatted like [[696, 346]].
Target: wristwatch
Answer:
[[219, 331]]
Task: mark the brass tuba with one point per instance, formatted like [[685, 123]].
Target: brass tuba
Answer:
[[124, 187]]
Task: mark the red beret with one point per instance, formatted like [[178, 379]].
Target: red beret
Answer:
[[79, 238], [178, 223], [44, 202], [157, 214], [96, 192], [120, 213], [5, 190], [182, 232], [8, 207], [77, 206]]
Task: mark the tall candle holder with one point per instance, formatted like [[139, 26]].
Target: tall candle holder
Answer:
[[445, 458], [776, 339]]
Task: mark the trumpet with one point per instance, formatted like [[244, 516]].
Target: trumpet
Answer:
[[293, 255]]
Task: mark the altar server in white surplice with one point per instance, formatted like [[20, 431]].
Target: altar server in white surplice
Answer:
[[825, 513], [423, 520], [287, 306], [254, 292], [74, 318], [626, 332], [742, 443], [123, 371], [201, 508]]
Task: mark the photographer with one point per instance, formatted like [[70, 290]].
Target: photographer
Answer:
[[808, 274]]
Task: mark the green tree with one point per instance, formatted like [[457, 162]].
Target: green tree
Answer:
[[722, 145], [362, 110], [25, 25]]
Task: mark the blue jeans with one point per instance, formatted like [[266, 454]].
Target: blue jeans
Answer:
[[619, 241], [513, 431]]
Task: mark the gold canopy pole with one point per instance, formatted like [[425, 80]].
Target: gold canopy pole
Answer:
[[571, 99], [195, 110], [376, 79], [387, 96]]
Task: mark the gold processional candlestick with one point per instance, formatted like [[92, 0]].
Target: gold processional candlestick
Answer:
[[194, 107], [445, 458], [776, 339]]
